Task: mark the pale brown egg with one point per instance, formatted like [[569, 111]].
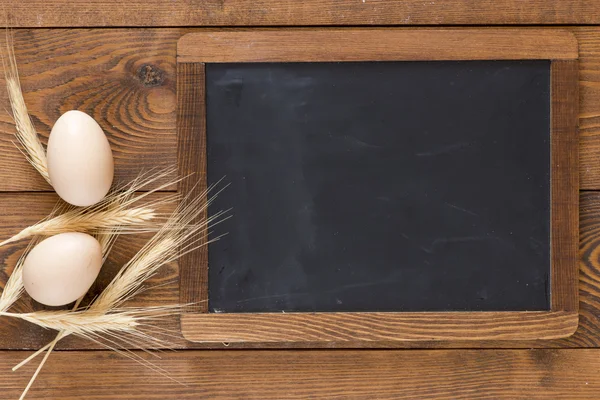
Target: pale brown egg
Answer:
[[80, 162], [61, 268]]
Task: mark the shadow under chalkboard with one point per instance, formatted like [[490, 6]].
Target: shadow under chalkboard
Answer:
[[380, 186]]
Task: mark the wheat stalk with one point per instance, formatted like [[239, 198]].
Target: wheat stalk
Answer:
[[81, 323], [25, 130]]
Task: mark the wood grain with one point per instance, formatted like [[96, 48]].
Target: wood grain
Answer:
[[376, 45], [89, 13], [564, 185], [368, 374], [373, 326], [20, 210], [124, 79], [191, 133]]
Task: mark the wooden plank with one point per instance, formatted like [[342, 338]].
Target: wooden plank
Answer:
[[389, 374], [105, 13], [376, 45], [20, 210], [191, 132], [124, 79], [564, 185], [373, 327]]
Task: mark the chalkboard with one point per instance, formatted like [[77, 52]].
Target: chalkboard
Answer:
[[380, 186]]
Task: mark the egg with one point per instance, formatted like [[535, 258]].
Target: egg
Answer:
[[62, 268], [80, 162]]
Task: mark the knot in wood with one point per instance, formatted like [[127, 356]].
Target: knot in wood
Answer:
[[150, 75]]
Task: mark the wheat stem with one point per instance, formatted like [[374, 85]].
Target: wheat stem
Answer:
[[34, 355], [36, 373]]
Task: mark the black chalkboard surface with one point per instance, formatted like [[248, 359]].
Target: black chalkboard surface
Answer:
[[380, 186]]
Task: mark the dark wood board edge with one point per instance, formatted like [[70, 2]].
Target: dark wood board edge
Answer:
[[160, 13], [374, 327], [391, 44], [564, 186], [191, 136]]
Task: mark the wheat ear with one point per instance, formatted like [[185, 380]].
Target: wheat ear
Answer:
[[25, 130]]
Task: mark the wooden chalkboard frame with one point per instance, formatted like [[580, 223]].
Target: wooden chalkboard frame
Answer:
[[329, 45]]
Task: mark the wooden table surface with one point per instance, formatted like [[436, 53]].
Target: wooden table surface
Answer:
[[71, 56]]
